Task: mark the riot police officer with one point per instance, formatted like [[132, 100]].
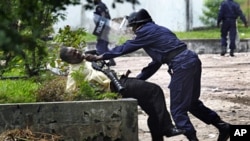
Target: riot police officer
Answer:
[[162, 45], [102, 44], [228, 13]]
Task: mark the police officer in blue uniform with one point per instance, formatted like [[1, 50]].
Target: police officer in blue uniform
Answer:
[[228, 13], [164, 47], [102, 45]]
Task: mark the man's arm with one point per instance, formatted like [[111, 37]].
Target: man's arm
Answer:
[[220, 14], [242, 16], [148, 71]]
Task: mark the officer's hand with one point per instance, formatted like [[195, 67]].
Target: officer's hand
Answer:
[[90, 57]]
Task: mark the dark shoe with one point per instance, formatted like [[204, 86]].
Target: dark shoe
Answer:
[[223, 127], [195, 139], [111, 62], [174, 132], [224, 131], [232, 53], [192, 137], [158, 138], [223, 51]]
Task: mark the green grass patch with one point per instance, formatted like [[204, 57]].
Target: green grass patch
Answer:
[[205, 33], [17, 91], [211, 33]]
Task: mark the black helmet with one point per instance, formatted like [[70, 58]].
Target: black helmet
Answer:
[[138, 18]]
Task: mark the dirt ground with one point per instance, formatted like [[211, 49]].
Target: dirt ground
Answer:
[[225, 89]]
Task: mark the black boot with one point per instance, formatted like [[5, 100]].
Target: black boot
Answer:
[[174, 132], [192, 137], [157, 137], [223, 50], [224, 130], [232, 52]]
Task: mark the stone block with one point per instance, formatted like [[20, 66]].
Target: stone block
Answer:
[[110, 120]]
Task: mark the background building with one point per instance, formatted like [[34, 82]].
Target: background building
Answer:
[[178, 15]]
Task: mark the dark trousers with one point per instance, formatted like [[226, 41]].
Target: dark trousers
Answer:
[[184, 96], [228, 28], [151, 99]]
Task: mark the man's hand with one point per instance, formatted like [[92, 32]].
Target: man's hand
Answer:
[[91, 57]]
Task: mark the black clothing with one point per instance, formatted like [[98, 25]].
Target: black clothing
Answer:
[[151, 99]]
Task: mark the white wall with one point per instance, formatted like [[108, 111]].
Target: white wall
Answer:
[[197, 7], [169, 13]]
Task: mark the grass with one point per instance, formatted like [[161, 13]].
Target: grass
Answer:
[[211, 33], [17, 91], [206, 33]]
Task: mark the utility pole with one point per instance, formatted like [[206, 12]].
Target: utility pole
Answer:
[[189, 16], [248, 11]]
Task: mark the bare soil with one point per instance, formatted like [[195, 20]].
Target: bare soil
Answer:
[[225, 89]]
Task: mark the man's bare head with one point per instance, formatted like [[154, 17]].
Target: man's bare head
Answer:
[[71, 55]]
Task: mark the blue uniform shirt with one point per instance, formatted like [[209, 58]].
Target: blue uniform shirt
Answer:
[[157, 41], [230, 10]]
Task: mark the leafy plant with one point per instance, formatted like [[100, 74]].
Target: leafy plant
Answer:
[[210, 12], [24, 28], [72, 38], [86, 90]]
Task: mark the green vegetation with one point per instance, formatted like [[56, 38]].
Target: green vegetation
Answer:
[[24, 30], [88, 90], [210, 12], [48, 86], [17, 91], [211, 33]]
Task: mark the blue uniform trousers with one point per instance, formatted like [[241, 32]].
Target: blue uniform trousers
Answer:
[[228, 29], [185, 92]]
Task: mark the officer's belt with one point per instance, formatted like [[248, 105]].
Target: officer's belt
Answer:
[[229, 19], [173, 53]]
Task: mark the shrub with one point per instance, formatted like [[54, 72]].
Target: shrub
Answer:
[[53, 90], [89, 91]]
